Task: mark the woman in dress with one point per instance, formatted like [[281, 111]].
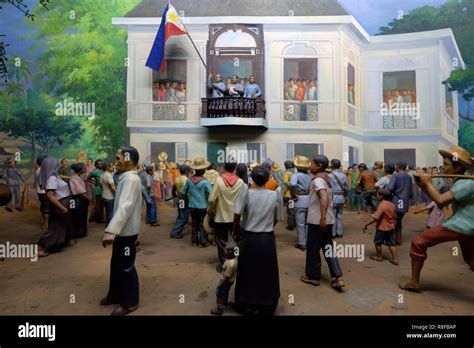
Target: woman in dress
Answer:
[[257, 211], [58, 234], [81, 201]]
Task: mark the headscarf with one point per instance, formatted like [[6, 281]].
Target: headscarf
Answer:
[[242, 172], [49, 167]]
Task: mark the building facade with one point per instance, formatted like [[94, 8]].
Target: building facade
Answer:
[[327, 86]]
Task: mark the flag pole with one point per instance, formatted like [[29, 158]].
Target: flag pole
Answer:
[[197, 51]]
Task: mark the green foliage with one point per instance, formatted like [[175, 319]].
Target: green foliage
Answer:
[[83, 56], [466, 135], [42, 128]]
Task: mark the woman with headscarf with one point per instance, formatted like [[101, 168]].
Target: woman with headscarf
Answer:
[[257, 211], [242, 172], [57, 191], [81, 201]]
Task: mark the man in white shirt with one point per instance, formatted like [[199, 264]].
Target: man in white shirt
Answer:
[[320, 223], [122, 232], [108, 190]]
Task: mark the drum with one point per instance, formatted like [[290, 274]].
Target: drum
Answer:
[[5, 195]]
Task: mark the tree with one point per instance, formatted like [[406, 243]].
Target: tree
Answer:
[[42, 128], [87, 63]]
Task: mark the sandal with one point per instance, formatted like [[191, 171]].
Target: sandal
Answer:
[[337, 283], [376, 258], [306, 280], [394, 262], [409, 287]]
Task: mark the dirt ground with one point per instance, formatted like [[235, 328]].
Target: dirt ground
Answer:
[[178, 279]]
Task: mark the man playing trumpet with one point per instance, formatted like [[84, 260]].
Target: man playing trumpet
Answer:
[[459, 227]]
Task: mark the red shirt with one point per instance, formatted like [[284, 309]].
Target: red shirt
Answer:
[[386, 216]]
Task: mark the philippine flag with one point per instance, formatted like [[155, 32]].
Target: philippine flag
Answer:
[[170, 25]]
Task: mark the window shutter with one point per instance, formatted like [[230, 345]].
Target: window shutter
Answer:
[[290, 151], [181, 152]]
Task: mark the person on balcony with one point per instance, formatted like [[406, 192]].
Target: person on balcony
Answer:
[[235, 89], [172, 96], [312, 91], [216, 87], [252, 90], [181, 93], [300, 95]]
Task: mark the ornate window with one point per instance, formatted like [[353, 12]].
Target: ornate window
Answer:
[[399, 108]]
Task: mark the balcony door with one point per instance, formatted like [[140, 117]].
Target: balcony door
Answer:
[[236, 49]]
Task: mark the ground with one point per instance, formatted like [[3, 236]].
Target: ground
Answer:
[[169, 268]]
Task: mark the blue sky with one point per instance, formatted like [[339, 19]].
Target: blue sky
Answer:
[[372, 14]]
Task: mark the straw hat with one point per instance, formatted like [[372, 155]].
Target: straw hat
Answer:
[[302, 162], [458, 154], [276, 167], [173, 165], [200, 163], [188, 162], [162, 166], [163, 156], [253, 165]]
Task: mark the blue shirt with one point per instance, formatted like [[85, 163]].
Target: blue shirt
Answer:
[[236, 87], [13, 176], [215, 88], [401, 186], [197, 194], [251, 89], [338, 198], [302, 182]]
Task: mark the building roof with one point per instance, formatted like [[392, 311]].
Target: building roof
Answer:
[[230, 8]]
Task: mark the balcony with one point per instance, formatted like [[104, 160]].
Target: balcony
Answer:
[[232, 111]]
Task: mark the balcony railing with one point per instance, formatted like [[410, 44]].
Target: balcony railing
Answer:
[[233, 107]]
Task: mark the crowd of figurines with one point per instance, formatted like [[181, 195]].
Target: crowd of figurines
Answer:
[[235, 208]]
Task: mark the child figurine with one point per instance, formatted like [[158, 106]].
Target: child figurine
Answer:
[[386, 218], [436, 214], [229, 272]]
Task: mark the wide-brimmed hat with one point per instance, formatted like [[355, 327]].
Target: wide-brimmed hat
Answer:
[[162, 166], [458, 154], [200, 163], [302, 162], [163, 156], [276, 167], [188, 162], [172, 165], [253, 164]]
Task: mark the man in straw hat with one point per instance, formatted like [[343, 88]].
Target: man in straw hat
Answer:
[[197, 190], [459, 227], [299, 189]]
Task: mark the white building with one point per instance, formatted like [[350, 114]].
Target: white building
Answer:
[[304, 40]]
